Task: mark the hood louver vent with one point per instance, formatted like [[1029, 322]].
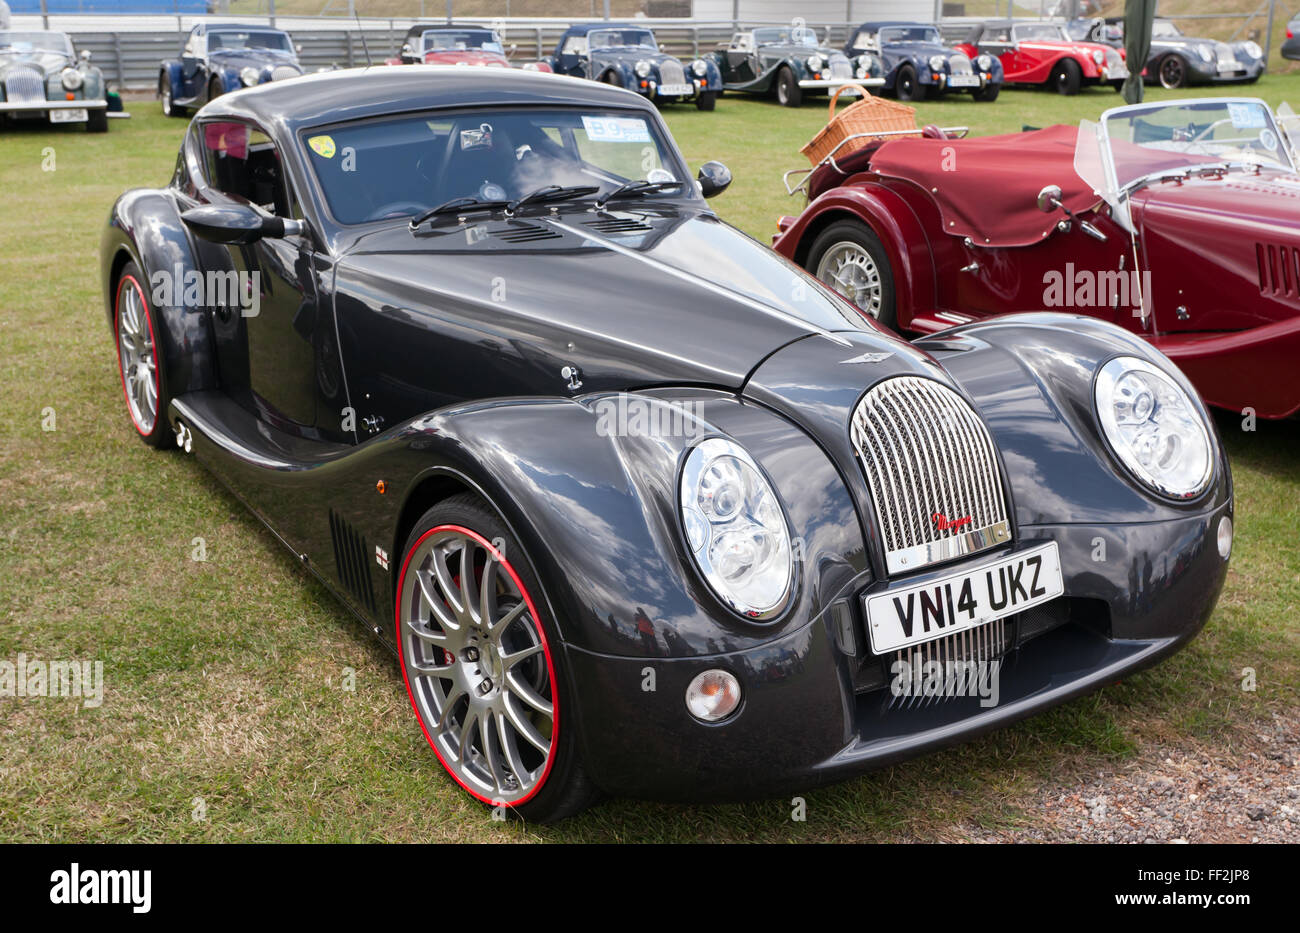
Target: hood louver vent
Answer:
[[351, 559], [1279, 270], [524, 233], [614, 225]]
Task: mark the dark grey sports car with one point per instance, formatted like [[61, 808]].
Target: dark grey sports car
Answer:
[[789, 62], [1177, 60], [640, 506]]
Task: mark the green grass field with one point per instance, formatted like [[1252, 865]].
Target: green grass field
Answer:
[[225, 714]]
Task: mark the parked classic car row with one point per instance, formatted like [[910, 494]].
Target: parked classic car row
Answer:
[[419, 411]]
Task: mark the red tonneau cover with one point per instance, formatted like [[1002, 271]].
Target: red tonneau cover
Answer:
[[987, 187]]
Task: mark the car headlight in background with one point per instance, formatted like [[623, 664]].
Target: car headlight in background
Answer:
[[642, 69], [713, 695], [815, 62], [1206, 53], [530, 66], [72, 79], [699, 67], [250, 76], [1098, 56], [736, 529], [1252, 49], [1155, 428], [937, 62], [985, 62]]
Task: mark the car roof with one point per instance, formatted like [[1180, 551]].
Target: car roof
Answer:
[[894, 22], [581, 29], [241, 27], [358, 93], [449, 27]]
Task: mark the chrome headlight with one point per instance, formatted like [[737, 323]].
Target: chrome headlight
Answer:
[[937, 62], [1098, 56], [815, 63], [736, 529], [1155, 428], [530, 66], [1252, 49], [642, 69], [866, 61], [250, 76], [699, 67], [72, 79], [1206, 53], [985, 62]]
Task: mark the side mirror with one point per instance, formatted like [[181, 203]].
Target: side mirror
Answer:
[[714, 178], [298, 48], [1049, 199], [514, 47], [237, 224], [85, 55], [407, 51]]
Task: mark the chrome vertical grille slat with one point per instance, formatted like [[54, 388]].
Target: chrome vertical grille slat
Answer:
[[671, 72], [925, 453], [985, 644], [24, 85]]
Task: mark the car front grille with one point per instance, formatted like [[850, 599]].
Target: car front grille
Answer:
[[933, 473], [280, 72], [24, 86], [841, 68], [671, 72], [959, 64], [1113, 59], [983, 646]]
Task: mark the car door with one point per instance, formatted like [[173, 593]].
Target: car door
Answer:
[[275, 345], [194, 75]]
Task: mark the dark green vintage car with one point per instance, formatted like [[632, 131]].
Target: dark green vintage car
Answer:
[[788, 61], [43, 78]]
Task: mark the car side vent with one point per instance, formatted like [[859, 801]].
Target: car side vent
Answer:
[[615, 225], [351, 557], [524, 233], [1279, 270]]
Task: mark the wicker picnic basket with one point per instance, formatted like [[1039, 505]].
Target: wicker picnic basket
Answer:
[[868, 115]]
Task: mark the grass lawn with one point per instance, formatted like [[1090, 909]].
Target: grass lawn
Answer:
[[225, 714]]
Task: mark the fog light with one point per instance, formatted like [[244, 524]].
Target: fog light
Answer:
[[1224, 536], [713, 695]]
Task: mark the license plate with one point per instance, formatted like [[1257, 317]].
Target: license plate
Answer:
[[964, 81], [963, 600], [69, 116], [1228, 66], [676, 90]]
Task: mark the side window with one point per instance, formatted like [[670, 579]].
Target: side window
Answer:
[[242, 163], [193, 46], [574, 45]]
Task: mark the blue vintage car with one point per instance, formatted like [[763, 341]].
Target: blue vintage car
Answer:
[[628, 56], [917, 64], [221, 57]]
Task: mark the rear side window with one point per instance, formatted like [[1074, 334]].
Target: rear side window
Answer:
[[242, 163]]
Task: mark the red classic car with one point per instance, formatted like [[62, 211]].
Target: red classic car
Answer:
[[1175, 220], [1043, 54], [454, 44]]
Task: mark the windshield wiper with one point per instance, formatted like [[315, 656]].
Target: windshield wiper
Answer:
[[551, 193], [636, 189], [458, 204]]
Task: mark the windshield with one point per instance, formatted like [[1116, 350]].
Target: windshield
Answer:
[[400, 167], [36, 42], [1163, 29], [621, 38], [462, 40], [797, 35], [1173, 137], [910, 34], [1040, 31], [263, 40]]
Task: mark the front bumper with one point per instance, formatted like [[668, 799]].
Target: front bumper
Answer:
[[840, 82], [43, 105], [809, 716]]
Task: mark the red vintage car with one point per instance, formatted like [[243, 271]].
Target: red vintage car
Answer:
[[454, 44], [1043, 54], [1175, 220]]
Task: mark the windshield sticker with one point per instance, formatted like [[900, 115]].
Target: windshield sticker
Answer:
[[480, 138], [616, 129], [1247, 116], [1268, 140], [322, 146]]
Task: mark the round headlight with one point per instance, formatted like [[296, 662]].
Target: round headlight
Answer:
[[699, 67], [815, 62], [642, 69], [713, 695], [736, 529], [1253, 50], [1154, 427], [250, 76], [72, 79], [1098, 56], [866, 61], [937, 62], [1205, 52], [985, 62]]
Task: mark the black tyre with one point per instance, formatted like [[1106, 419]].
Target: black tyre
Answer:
[[137, 333], [907, 86], [849, 257], [987, 94], [707, 100], [788, 92], [215, 89], [483, 666], [169, 108], [1067, 77], [613, 78], [98, 122], [1172, 72]]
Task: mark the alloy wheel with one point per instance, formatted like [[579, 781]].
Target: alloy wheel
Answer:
[[137, 358], [849, 269], [477, 665], [1171, 72]]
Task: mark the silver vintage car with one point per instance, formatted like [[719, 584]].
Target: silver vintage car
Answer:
[[43, 78]]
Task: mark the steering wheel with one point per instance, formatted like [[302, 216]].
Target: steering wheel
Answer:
[[396, 209]]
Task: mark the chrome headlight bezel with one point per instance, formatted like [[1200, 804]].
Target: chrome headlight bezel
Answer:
[[1186, 420], [1252, 48], [938, 62], [699, 68], [815, 62], [703, 532], [1098, 57], [72, 79], [985, 62], [642, 68], [250, 76]]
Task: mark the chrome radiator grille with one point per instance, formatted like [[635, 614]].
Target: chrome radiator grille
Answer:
[[933, 473], [841, 68], [24, 86], [671, 72], [984, 645], [959, 64], [280, 72]]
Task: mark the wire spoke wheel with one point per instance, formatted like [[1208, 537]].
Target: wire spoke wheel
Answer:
[[137, 356], [849, 269], [477, 665]]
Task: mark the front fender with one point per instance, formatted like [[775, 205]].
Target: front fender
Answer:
[[170, 71]]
